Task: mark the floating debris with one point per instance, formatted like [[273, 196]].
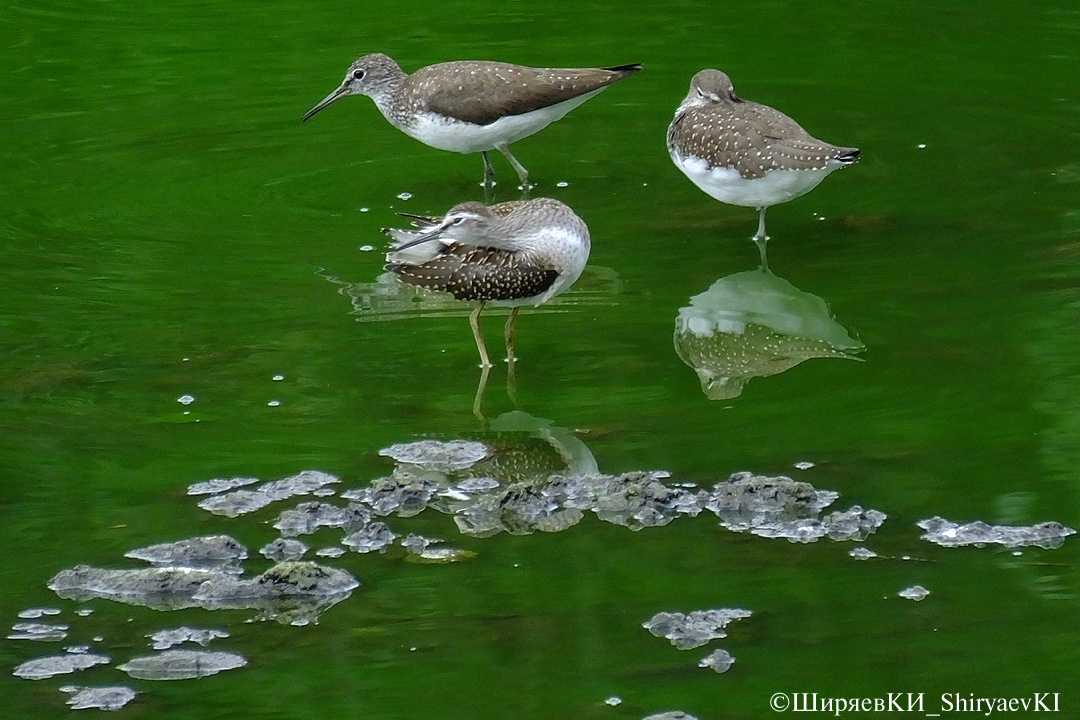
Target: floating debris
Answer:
[[165, 639], [375, 536], [436, 455], [212, 552], [219, 485], [613, 701], [518, 509], [240, 502], [308, 517], [718, 660], [35, 613], [696, 629], [1049, 535], [181, 664], [403, 494], [290, 592], [804, 465], [331, 552], [38, 631], [635, 500], [780, 507], [111, 697], [48, 667], [746, 500], [915, 592], [303, 483], [671, 715], [157, 588], [284, 549], [421, 548], [307, 588], [862, 553]]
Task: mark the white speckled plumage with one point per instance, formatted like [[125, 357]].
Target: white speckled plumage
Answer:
[[472, 106], [745, 153]]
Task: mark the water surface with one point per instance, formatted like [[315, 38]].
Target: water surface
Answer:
[[168, 228]]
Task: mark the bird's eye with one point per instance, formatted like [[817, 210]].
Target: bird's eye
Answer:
[[358, 74], [458, 221]]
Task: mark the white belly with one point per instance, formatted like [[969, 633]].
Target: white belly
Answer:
[[727, 185], [456, 136], [563, 250]]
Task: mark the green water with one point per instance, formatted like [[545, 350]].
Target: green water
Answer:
[[168, 227]]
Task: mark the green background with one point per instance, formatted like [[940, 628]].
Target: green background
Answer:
[[169, 227]]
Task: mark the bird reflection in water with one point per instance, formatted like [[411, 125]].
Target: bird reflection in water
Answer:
[[755, 324]]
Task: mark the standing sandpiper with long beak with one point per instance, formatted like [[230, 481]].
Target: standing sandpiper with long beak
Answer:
[[473, 106], [745, 153]]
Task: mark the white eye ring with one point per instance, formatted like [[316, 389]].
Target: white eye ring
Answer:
[[358, 74]]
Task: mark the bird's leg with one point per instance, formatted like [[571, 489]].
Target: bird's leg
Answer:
[[760, 239], [489, 179], [479, 400], [761, 242], [523, 174], [511, 382], [761, 225], [489, 172], [474, 321], [508, 335]]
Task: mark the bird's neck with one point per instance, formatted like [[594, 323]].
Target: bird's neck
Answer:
[[386, 92]]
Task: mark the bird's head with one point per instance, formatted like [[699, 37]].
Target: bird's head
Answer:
[[710, 86], [372, 75]]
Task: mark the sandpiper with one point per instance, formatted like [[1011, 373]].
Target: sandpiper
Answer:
[[745, 153], [511, 254], [473, 105]]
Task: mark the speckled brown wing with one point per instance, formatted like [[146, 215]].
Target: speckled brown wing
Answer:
[[477, 273], [753, 139], [482, 92]]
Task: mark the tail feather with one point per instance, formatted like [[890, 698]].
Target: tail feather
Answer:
[[848, 155], [626, 70]]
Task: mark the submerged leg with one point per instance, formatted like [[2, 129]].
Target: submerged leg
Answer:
[[474, 321], [508, 334], [761, 242], [523, 174], [489, 172], [489, 179], [478, 402], [761, 225]]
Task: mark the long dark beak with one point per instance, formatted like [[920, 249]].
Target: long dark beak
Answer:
[[429, 235], [340, 92]]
